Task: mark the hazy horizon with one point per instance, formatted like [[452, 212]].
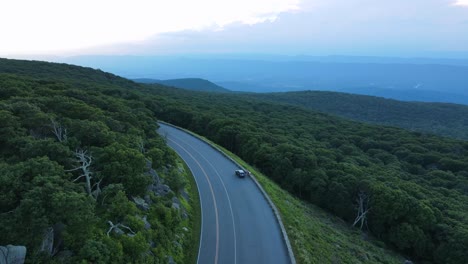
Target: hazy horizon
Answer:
[[51, 28]]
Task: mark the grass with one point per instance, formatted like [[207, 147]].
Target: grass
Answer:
[[193, 208], [317, 236]]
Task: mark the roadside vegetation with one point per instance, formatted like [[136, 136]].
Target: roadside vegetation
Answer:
[[84, 177], [407, 189], [317, 236]]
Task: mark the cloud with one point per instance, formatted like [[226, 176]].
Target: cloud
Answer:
[[461, 3], [52, 26], [362, 27]]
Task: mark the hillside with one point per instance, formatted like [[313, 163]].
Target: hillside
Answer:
[[417, 184], [414, 185], [194, 84], [448, 120], [82, 169]]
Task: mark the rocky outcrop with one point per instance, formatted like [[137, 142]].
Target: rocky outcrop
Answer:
[[175, 203], [141, 203], [12, 254]]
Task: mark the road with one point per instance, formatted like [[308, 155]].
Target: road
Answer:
[[238, 225]]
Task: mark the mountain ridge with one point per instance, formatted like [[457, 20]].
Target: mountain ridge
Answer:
[[195, 84]]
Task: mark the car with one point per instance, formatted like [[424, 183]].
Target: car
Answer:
[[241, 173]]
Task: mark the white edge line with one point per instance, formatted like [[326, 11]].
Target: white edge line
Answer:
[[227, 194], [201, 205]]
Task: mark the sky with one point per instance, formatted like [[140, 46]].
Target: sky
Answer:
[[290, 27]]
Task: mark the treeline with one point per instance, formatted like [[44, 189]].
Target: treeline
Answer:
[[414, 187], [449, 120], [77, 170]]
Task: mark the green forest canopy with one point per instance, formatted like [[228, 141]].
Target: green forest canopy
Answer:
[[53, 130], [417, 183], [450, 120]]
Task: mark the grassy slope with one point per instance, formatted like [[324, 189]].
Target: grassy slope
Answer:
[[436, 118], [193, 207], [315, 235]]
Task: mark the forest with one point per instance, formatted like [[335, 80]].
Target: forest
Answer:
[[408, 189], [444, 119], [84, 176]]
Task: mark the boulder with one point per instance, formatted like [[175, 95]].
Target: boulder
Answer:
[[145, 221], [185, 195], [170, 260], [12, 254], [175, 203], [141, 203], [162, 190], [147, 199]]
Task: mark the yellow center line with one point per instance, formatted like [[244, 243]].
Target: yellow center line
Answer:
[[212, 194]]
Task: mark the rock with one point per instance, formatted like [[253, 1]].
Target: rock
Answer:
[[12, 254], [185, 229], [162, 190], [141, 203], [155, 176], [181, 170], [184, 215], [47, 245], [185, 195], [145, 221], [147, 199], [175, 203], [170, 260]]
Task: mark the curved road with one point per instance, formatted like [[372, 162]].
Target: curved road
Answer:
[[238, 225]]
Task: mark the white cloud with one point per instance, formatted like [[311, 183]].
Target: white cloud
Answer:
[[53, 26], [462, 3]]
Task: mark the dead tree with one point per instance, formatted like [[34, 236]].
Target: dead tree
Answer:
[[59, 131], [85, 160], [112, 226], [363, 209]]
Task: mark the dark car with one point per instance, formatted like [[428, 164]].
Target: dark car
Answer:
[[241, 173]]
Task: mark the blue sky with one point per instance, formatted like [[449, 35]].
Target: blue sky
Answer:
[[315, 27]]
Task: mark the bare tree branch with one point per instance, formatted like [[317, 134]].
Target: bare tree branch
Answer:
[[79, 177], [112, 226], [59, 131], [85, 160], [363, 209]]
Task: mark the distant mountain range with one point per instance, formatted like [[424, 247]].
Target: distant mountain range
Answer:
[[413, 79], [195, 84]]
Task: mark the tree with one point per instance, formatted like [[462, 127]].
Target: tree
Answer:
[[85, 160], [362, 209]]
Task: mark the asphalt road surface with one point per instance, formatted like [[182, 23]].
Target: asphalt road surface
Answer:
[[238, 225]]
